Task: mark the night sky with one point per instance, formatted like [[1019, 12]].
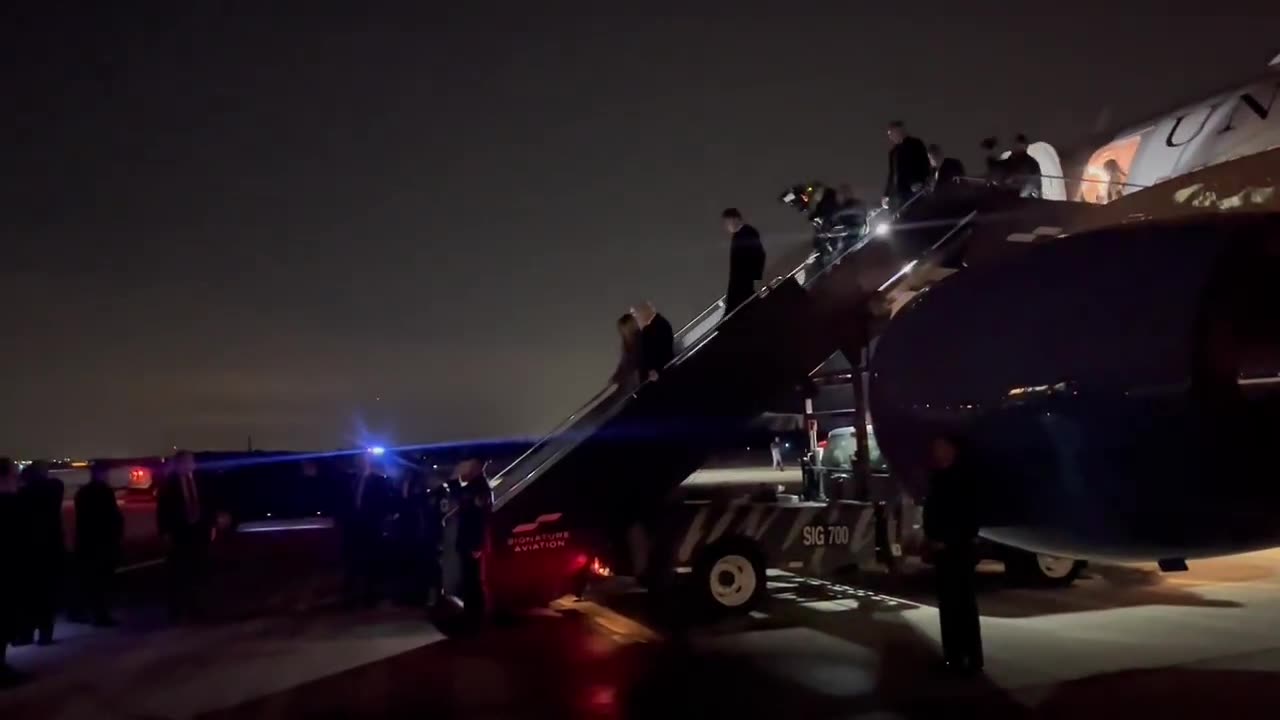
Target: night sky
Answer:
[[318, 229]]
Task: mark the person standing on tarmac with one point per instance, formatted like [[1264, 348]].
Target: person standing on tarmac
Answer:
[[908, 167], [775, 449], [99, 532], [951, 526], [182, 518], [367, 507], [12, 540], [435, 506], [657, 341], [474, 499], [406, 539], [746, 260], [41, 500]]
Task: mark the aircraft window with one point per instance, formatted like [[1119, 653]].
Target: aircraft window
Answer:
[[841, 448], [1108, 170], [839, 452]]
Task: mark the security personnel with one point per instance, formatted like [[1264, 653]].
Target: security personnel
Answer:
[[951, 525], [908, 167], [368, 505], [99, 532], [946, 170], [474, 499], [12, 524], [746, 259], [41, 501], [182, 517], [434, 508]]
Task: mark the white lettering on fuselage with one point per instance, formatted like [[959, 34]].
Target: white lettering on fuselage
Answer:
[[541, 541]]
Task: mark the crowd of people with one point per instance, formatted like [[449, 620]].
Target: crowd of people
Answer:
[[914, 167], [393, 533], [31, 519]]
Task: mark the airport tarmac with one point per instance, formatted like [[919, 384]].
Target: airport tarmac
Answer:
[[744, 476], [1201, 642]]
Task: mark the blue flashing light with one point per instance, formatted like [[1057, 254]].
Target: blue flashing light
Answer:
[[377, 450]]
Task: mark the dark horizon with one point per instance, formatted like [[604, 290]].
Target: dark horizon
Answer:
[[322, 230]]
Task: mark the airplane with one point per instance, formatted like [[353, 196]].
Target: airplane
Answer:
[[1109, 351], [1242, 120], [1116, 374]]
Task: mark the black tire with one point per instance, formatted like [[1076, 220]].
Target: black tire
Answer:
[[1040, 570], [729, 578]]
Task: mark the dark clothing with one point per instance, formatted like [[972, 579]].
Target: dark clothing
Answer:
[[951, 520], [627, 374], [839, 231], [746, 266], [41, 500], [958, 606], [475, 502], [1023, 172], [368, 505], [183, 517], [909, 171], [951, 508], [181, 511], [99, 523], [851, 214], [434, 509], [13, 523], [1018, 173], [419, 529], [99, 532], [657, 346], [947, 172]]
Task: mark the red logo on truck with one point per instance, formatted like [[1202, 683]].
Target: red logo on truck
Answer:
[[530, 527], [526, 537]]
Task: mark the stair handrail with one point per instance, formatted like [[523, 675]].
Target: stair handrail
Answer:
[[689, 349]]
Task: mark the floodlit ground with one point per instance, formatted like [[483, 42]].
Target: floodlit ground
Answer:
[[745, 476], [1123, 640]]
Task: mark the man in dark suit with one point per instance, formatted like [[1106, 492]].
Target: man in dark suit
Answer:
[[657, 341], [473, 496], [12, 537], [951, 525], [1022, 169], [908, 167], [368, 505], [99, 532], [183, 518], [40, 498], [946, 170], [746, 260]]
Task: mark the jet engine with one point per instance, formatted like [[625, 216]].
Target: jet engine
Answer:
[[1116, 393]]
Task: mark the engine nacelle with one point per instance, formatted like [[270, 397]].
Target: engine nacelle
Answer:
[[1118, 389]]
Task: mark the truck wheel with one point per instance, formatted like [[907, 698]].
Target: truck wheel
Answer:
[[1043, 570], [730, 578]]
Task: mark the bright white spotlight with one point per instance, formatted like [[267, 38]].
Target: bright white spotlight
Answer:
[[377, 450], [882, 229]]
